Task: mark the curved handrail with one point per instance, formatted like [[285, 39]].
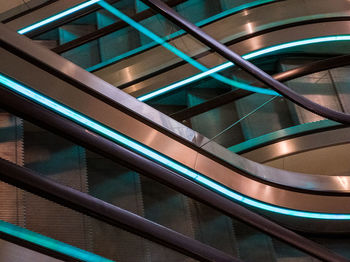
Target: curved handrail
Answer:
[[231, 96], [247, 66]]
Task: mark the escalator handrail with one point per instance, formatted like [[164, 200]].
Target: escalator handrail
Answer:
[[28, 180], [259, 74], [58, 124]]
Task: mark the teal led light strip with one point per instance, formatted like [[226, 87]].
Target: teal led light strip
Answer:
[[50, 243], [56, 17], [153, 155], [181, 54], [248, 56], [179, 33]]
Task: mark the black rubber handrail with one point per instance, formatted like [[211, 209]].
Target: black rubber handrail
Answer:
[[231, 96], [98, 144], [259, 74]]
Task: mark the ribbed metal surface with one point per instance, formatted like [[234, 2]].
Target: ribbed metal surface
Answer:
[[63, 162], [11, 148], [119, 186], [253, 245], [167, 208], [214, 228]]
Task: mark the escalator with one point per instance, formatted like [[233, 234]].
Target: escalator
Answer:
[[59, 80]]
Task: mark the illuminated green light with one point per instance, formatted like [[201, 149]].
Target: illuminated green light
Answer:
[[155, 156], [50, 243], [248, 56], [56, 17], [179, 53]]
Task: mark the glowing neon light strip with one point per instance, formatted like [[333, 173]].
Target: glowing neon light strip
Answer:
[[155, 156], [56, 17], [179, 53], [248, 56], [178, 33], [50, 243]]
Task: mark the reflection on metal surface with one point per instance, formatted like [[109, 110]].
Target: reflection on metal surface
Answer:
[[148, 152], [180, 32], [273, 148], [250, 28], [49, 243], [343, 181], [251, 55], [284, 147], [178, 52], [56, 17], [281, 134]]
